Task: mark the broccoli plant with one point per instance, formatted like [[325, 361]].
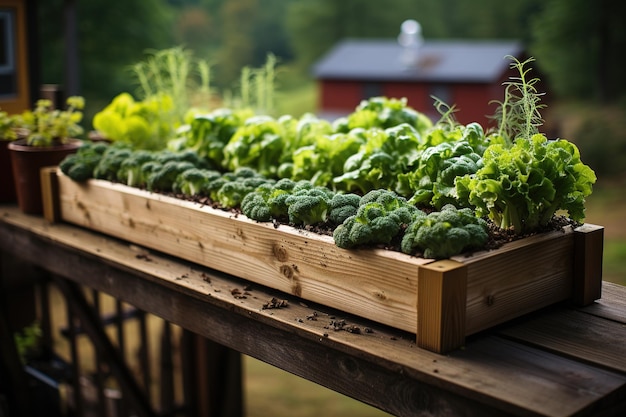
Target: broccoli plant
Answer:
[[445, 233], [380, 217], [79, 166], [230, 190], [131, 172], [111, 161], [309, 205], [267, 201], [384, 155], [342, 206], [163, 178], [432, 180], [194, 181]]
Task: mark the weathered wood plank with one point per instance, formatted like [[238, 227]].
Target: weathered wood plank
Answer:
[[612, 305], [560, 386], [576, 334]]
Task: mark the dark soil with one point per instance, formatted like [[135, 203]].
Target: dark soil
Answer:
[[497, 235]]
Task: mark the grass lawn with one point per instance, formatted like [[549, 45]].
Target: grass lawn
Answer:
[[273, 392]]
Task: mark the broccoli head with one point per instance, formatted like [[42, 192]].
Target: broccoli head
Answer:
[[230, 190], [131, 172], [194, 181], [268, 200], [163, 177], [445, 233], [110, 163], [254, 206], [380, 217], [79, 166], [343, 206], [309, 205]]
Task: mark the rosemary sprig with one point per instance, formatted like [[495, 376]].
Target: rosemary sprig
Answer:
[[519, 114]]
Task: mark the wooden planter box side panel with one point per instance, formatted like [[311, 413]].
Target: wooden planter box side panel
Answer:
[[520, 279], [439, 301], [376, 284]]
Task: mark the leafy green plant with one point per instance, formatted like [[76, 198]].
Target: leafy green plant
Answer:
[[147, 124], [175, 73], [27, 341], [46, 126], [7, 126], [526, 179], [519, 114], [523, 186]]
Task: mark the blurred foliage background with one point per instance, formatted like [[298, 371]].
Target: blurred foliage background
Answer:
[[577, 45]]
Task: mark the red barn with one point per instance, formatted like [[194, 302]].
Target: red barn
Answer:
[[467, 74]]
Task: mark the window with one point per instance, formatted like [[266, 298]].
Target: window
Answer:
[[8, 76]]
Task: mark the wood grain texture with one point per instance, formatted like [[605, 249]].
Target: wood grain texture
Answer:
[[520, 277], [612, 305], [377, 284], [441, 299], [588, 249], [576, 334], [49, 194]]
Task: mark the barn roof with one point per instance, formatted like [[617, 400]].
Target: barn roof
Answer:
[[438, 61]]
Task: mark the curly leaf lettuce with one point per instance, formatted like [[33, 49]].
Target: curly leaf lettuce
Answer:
[[522, 186]]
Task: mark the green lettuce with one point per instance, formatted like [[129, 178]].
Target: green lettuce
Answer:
[[524, 185]]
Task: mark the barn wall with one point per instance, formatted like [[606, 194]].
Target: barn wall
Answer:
[[339, 96], [473, 101]]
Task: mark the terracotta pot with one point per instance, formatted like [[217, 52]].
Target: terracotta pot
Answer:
[[27, 162], [7, 183]]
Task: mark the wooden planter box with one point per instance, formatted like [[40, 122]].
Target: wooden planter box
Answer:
[[440, 301]]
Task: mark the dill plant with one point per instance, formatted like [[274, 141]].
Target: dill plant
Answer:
[[256, 88], [174, 72]]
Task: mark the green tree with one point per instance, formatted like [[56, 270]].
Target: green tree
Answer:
[[112, 35], [314, 26], [579, 44], [236, 47]]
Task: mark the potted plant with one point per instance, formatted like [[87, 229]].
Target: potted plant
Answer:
[[45, 137], [7, 135]]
